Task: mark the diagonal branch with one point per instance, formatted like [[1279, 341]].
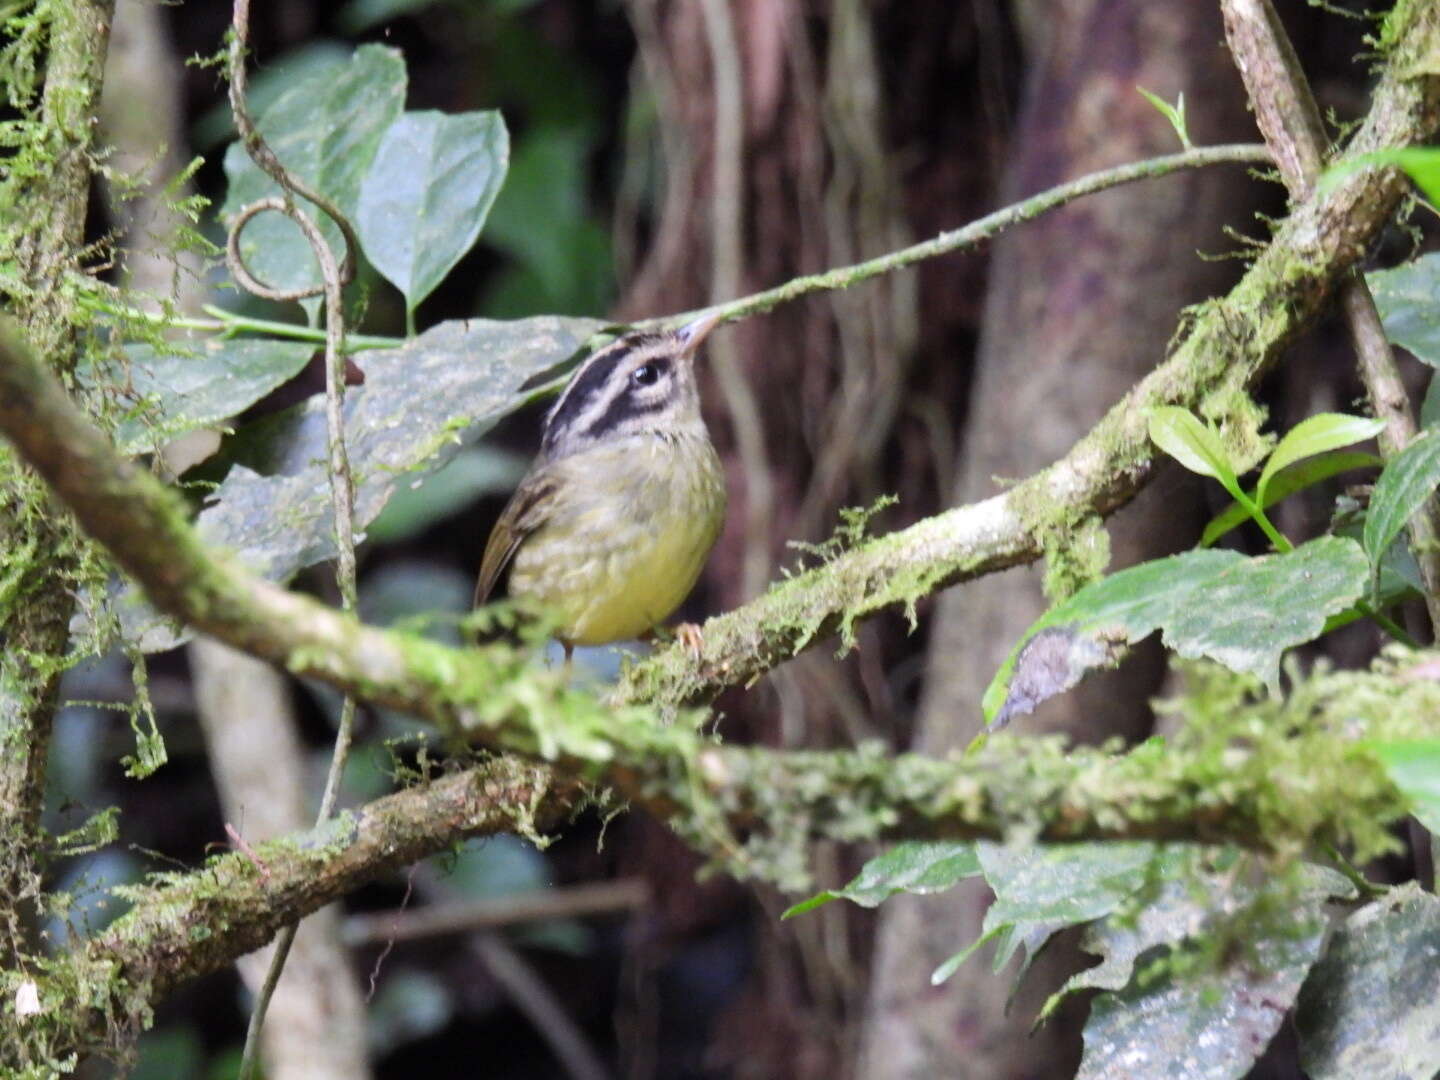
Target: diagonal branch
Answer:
[[1027, 786], [710, 792]]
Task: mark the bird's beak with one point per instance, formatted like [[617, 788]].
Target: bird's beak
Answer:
[[693, 333]]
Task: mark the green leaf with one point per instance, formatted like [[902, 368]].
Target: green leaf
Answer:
[[420, 403], [1399, 574], [1287, 481], [1174, 113], [1371, 1007], [1413, 766], [268, 82], [325, 129], [1243, 613], [1408, 298], [1409, 478], [1421, 164], [360, 15], [1315, 435], [1210, 1022], [211, 381], [470, 475], [1196, 445], [912, 867], [1430, 406], [1195, 895], [427, 194], [1042, 888]]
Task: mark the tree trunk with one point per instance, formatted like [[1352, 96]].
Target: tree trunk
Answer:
[[1080, 305]]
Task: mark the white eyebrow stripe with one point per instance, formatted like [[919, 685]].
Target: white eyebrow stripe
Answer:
[[599, 382]]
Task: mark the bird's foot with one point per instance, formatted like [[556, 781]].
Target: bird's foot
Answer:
[[689, 635]]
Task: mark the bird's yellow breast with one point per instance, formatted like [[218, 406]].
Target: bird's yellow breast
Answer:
[[628, 535]]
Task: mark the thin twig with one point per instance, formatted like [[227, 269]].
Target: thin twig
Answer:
[[727, 234], [980, 230], [528, 992], [260, 153], [342, 481], [569, 901]]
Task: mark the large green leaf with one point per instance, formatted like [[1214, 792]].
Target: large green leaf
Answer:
[[1207, 1024], [470, 475], [1193, 895], [1413, 766], [1408, 298], [420, 403], [1243, 613], [1409, 478], [325, 129], [195, 385], [427, 194], [1210, 1017], [912, 867], [1043, 888], [1371, 1007]]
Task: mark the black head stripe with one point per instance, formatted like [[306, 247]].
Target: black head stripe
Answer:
[[596, 379], [625, 407], [589, 381]]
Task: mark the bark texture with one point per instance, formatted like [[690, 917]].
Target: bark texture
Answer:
[[38, 552]]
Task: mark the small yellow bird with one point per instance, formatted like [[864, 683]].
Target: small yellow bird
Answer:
[[613, 522]]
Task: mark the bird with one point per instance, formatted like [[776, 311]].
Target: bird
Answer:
[[610, 527]]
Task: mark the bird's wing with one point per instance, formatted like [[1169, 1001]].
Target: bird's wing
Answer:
[[527, 510]]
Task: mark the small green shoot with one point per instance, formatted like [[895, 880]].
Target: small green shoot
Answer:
[[1174, 113], [1198, 446]]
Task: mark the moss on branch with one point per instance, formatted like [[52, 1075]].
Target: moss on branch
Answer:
[[182, 925]]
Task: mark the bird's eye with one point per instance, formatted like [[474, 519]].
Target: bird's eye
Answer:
[[645, 375]]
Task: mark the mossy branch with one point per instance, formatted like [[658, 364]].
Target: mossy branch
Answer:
[[494, 696], [1290, 120], [185, 925], [502, 702], [1277, 776]]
